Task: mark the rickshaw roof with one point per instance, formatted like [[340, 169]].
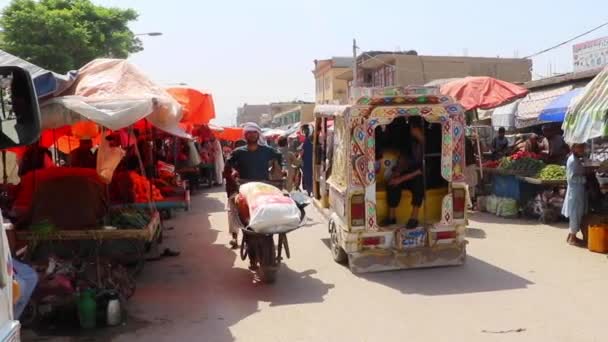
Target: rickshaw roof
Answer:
[[425, 101], [402, 101], [330, 110]]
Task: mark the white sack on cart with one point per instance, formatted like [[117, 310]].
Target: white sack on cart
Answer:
[[270, 211]]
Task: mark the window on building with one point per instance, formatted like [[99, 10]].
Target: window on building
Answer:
[[389, 72], [327, 82]]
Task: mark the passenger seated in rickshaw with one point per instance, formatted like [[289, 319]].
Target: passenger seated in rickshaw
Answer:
[[407, 174]]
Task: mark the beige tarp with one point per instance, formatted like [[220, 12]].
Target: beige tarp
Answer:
[[115, 94]]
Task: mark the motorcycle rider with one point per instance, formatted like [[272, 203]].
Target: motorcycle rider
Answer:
[[249, 162]]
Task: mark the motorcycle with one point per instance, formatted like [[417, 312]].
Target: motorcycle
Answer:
[[265, 255]]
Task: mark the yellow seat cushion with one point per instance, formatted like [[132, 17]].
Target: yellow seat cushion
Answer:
[[433, 199]]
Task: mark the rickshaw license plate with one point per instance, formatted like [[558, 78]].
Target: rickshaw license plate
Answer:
[[412, 238]]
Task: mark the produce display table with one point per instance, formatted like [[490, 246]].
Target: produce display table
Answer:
[[165, 206], [190, 174], [548, 183], [148, 233]]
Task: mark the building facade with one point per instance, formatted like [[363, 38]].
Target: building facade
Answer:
[[251, 113], [288, 113], [328, 88], [378, 69]]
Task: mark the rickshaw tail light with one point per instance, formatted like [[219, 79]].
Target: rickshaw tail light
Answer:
[[357, 210], [372, 241], [459, 203], [446, 235]]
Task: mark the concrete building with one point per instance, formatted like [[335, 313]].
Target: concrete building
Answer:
[[288, 113], [377, 69], [328, 88], [251, 113]]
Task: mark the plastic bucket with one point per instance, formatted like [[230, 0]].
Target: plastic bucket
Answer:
[[598, 238]]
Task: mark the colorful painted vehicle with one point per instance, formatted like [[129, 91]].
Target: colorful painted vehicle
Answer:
[[356, 185]]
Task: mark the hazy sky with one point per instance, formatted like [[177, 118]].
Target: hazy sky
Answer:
[[261, 51]]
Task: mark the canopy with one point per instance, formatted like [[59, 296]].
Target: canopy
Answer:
[[197, 107], [504, 116], [556, 110], [587, 118], [230, 134], [532, 105], [482, 92], [114, 94], [275, 132], [46, 82]]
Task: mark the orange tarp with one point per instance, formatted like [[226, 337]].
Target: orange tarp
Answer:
[[230, 134], [482, 92], [197, 108]]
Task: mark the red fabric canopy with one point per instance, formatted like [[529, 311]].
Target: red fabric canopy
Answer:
[[230, 134], [482, 92], [197, 108]]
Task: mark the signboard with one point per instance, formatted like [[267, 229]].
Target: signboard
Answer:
[[590, 55]]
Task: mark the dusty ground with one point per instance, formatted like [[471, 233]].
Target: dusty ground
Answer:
[[521, 283]]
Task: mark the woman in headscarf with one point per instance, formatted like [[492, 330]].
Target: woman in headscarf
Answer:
[[575, 203]]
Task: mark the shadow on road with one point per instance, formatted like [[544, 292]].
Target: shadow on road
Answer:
[[202, 294], [493, 219], [475, 233], [475, 276]]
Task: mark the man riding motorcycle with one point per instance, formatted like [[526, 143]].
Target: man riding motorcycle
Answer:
[[249, 162]]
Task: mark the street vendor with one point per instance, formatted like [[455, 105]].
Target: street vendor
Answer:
[[500, 144], [555, 148], [35, 157], [83, 155], [532, 145], [575, 204]]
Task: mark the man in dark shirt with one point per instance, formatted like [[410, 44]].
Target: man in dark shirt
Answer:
[[408, 175], [251, 162]]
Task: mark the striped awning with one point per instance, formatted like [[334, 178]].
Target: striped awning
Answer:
[[530, 107], [587, 118]]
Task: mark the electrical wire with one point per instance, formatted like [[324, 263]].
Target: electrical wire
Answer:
[[568, 41]]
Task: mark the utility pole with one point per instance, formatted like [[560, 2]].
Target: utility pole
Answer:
[[354, 63]]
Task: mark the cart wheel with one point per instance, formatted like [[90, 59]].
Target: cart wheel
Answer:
[[337, 251], [268, 275]]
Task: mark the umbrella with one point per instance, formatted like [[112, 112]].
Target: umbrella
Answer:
[[197, 107], [556, 110], [482, 92]]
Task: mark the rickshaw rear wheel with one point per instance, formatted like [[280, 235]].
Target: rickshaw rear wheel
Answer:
[[337, 251]]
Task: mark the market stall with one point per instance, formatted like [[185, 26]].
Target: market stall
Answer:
[[586, 122], [107, 217]]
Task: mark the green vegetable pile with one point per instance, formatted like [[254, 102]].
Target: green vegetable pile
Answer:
[[525, 165], [505, 162], [552, 172], [128, 218]]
